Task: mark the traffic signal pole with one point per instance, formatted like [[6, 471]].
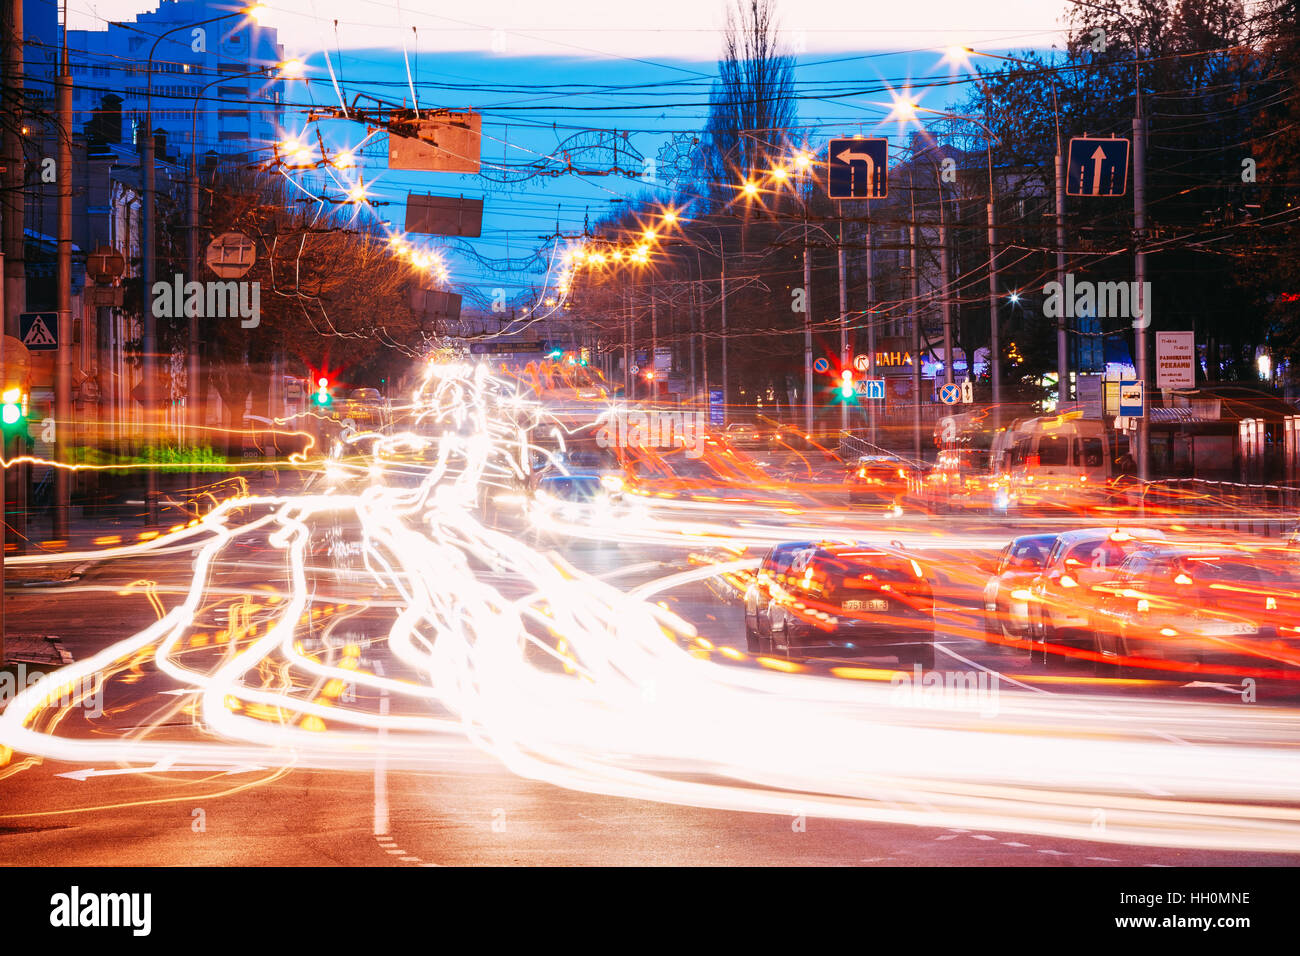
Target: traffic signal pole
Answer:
[[846, 358]]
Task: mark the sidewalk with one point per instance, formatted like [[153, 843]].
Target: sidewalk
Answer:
[[103, 533]]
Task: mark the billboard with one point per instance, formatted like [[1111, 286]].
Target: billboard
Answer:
[[439, 141]]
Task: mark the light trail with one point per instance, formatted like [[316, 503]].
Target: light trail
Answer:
[[568, 678]]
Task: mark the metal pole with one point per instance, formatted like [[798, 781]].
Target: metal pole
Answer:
[[995, 346], [916, 339], [627, 346], [1062, 350], [726, 394], [871, 322], [148, 333], [63, 358], [946, 302], [654, 347], [846, 359], [1139, 275], [807, 331]]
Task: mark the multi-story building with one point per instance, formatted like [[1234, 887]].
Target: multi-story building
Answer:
[[241, 116]]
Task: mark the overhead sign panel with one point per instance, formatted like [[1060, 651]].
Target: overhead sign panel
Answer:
[[1097, 167], [857, 169], [439, 141], [230, 255], [444, 215], [504, 348]]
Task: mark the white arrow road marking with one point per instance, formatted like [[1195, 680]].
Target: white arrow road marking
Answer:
[[162, 766]]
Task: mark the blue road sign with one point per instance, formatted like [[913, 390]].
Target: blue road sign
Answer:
[[717, 407], [1130, 399], [1097, 167], [871, 388], [821, 365], [950, 393], [857, 169], [39, 331]]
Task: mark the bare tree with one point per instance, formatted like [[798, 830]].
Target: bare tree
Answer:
[[752, 106]]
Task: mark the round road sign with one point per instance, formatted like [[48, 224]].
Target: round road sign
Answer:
[[231, 255], [821, 365], [862, 362], [950, 393]]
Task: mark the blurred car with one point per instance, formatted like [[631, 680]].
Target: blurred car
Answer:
[[809, 595], [1201, 606], [1007, 594], [1061, 596], [879, 480], [586, 500], [365, 406], [744, 434]]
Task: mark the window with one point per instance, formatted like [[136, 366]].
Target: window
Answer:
[[1053, 450], [1090, 453]]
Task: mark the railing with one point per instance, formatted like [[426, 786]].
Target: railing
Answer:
[[1230, 505]]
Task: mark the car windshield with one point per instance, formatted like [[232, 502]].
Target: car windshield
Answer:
[[571, 488]]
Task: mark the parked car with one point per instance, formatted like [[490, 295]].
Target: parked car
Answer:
[[1199, 607], [1061, 596], [811, 595], [1007, 594]]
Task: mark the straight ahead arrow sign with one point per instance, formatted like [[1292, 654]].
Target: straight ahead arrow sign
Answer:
[[1098, 157]]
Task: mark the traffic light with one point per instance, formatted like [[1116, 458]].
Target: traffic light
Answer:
[[13, 411], [322, 394], [846, 384]]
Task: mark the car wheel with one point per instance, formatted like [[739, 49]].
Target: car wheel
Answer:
[[919, 654], [753, 641]]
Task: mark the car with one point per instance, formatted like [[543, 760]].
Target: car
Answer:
[[809, 595], [580, 499], [879, 480], [1061, 594], [1006, 594], [1199, 607], [743, 434]]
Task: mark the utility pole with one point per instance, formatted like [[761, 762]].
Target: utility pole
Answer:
[[807, 330], [1062, 349], [148, 326], [995, 345], [722, 259], [846, 359], [916, 340], [654, 347], [63, 358], [14, 293], [946, 302], [871, 322], [1139, 274]]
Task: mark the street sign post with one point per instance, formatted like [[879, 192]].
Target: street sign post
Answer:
[[967, 392], [1131, 403], [871, 388], [857, 169], [39, 331], [1097, 167]]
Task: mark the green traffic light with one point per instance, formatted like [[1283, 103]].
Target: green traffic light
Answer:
[[10, 414]]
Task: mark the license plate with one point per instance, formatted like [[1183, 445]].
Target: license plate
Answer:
[[1226, 629], [874, 605]]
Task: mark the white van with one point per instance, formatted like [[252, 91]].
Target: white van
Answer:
[[1056, 460]]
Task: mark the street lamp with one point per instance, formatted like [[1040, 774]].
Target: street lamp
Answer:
[[148, 326], [906, 110], [962, 54]]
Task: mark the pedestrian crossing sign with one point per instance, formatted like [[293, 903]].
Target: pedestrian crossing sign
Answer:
[[39, 331]]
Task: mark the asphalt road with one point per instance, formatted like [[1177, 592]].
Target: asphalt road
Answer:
[[472, 810]]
